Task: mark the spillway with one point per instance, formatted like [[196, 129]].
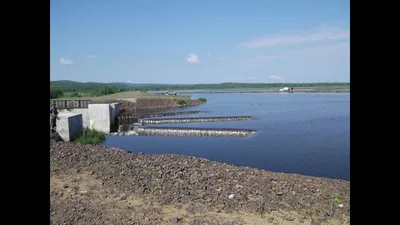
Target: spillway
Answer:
[[193, 120]]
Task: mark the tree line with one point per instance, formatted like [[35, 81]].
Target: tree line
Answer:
[[56, 92], [75, 89]]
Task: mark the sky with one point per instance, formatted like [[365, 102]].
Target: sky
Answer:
[[207, 41]]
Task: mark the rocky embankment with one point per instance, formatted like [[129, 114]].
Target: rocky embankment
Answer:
[[100, 185], [150, 105]]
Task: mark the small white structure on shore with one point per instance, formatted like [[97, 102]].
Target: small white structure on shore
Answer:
[[284, 89]]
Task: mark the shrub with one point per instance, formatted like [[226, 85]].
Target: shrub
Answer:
[[203, 99], [181, 102], [74, 95], [55, 93], [91, 136]]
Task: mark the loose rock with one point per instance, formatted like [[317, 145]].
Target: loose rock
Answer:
[[175, 179]]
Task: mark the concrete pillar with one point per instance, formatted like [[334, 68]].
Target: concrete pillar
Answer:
[[100, 117], [115, 109], [85, 116], [69, 126]]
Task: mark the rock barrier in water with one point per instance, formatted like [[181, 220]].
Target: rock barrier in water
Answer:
[[193, 120], [127, 133], [134, 118], [133, 125], [193, 132]]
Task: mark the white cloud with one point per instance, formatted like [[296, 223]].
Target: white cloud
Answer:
[[92, 57], [276, 77], [129, 81], [192, 58], [295, 37], [222, 59], [65, 61], [209, 53]]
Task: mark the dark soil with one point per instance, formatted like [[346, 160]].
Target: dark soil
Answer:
[[100, 185]]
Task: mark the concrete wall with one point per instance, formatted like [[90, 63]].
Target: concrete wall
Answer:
[[97, 116], [69, 126], [71, 103], [100, 117], [115, 110], [85, 116], [84, 112]]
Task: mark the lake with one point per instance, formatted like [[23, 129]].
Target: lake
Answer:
[[304, 133]]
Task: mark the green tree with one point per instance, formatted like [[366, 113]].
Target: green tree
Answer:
[[109, 90], [55, 93], [75, 95]]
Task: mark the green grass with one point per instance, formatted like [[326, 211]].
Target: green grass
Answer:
[[121, 95], [180, 102], [336, 198], [203, 99], [91, 136], [80, 94]]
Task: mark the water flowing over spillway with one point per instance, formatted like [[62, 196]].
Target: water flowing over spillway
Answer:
[[133, 125], [186, 131], [196, 132]]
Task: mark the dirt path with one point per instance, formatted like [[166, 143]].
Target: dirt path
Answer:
[[98, 185]]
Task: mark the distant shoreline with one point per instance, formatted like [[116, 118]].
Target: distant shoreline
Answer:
[[264, 92]]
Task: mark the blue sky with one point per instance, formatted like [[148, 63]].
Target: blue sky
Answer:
[[208, 41]]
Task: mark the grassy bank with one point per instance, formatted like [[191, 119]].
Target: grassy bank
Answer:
[[127, 95], [91, 136]]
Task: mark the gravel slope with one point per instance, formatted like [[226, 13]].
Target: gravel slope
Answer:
[[101, 185]]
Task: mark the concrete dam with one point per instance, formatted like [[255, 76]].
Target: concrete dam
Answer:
[[139, 129], [196, 132], [106, 118], [186, 131]]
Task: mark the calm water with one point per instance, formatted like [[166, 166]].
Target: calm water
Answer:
[[234, 90], [305, 133]]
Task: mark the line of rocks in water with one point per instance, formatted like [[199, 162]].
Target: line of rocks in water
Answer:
[[133, 118], [185, 131], [138, 130], [193, 119], [128, 133], [193, 132], [176, 179], [134, 126]]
